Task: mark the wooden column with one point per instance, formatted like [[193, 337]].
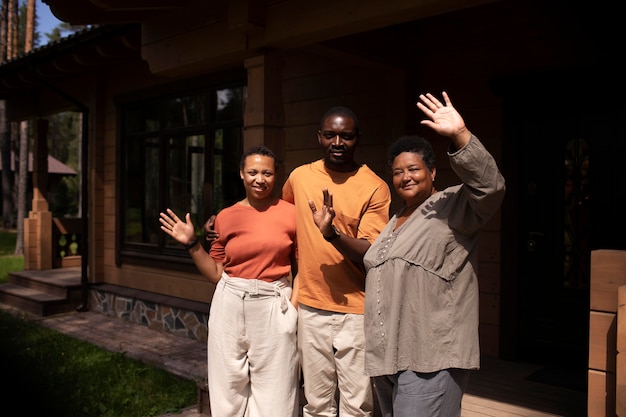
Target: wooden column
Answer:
[[620, 363], [608, 273], [38, 226], [264, 115]]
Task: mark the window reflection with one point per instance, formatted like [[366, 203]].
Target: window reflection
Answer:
[[180, 152]]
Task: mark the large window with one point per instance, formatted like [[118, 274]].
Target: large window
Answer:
[[180, 152]]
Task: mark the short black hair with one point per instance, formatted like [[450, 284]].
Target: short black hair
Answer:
[[343, 112], [257, 150], [415, 144]]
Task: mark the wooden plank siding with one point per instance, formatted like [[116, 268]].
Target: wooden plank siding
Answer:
[[620, 363], [316, 79], [608, 274]]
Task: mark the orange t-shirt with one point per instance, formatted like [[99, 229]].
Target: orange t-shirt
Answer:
[[361, 200], [256, 244]]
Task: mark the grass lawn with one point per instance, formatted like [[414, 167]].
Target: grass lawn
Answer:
[[7, 242], [47, 373], [8, 261]]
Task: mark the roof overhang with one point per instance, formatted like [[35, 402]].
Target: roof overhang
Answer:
[[89, 12], [51, 68]]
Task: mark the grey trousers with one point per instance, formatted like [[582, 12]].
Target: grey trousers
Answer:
[[414, 394]]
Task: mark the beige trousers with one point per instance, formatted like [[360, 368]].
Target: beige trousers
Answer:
[[252, 356], [331, 347]]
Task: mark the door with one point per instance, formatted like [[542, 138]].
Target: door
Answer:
[[549, 159], [554, 242]]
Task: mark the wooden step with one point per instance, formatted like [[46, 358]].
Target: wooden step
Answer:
[[54, 283], [43, 292]]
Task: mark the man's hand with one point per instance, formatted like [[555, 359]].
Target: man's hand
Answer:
[[210, 235], [323, 217]]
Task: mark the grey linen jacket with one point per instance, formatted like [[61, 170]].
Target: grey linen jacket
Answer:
[[421, 291]]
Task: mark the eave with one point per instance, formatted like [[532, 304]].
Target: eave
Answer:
[[23, 79], [89, 12]]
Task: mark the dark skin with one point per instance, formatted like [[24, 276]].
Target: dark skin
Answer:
[[442, 118], [338, 156], [258, 178], [338, 139]]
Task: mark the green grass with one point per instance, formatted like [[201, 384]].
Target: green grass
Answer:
[[50, 374], [7, 242], [47, 373], [8, 261]]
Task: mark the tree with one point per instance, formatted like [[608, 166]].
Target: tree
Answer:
[[18, 34], [7, 51], [30, 25], [22, 184]]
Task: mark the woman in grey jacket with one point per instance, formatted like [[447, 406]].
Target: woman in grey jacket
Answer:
[[421, 294]]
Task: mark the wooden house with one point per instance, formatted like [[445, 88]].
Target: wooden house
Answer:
[[172, 92]]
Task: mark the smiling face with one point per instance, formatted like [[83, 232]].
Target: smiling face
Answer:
[[338, 138], [412, 179], [258, 176]]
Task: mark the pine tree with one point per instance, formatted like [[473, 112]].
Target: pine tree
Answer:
[[7, 50]]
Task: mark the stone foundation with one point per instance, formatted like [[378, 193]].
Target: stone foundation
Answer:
[[179, 320]]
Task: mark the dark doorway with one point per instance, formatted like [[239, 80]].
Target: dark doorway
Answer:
[[563, 146], [550, 148], [553, 240]]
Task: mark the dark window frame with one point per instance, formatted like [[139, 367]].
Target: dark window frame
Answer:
[[164, 255]]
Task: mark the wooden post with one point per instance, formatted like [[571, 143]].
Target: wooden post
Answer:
[[620, 363], [38, 226], [608, 273], [264, 116]]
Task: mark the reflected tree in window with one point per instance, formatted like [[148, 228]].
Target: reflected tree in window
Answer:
[[180, 152]]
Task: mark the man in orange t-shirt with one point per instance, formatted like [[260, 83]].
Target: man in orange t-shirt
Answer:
[[330, 284]]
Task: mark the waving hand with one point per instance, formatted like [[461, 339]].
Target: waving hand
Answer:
[[444, 118]]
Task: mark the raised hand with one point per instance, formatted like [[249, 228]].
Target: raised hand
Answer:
[[443, 118], [182, 232], [323, 217]]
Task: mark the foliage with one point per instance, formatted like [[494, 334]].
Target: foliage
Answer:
[[64, 29], [7, 242], [52, 374], [64, 198], [8, 262]]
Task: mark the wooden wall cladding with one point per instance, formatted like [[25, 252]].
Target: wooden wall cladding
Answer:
[[607, 335], [608, 272], [620, 391]]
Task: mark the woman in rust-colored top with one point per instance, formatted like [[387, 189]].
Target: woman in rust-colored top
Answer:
[[252, 353]]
